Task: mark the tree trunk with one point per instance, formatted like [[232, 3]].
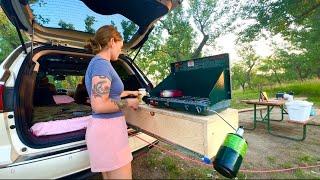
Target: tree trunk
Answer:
[[299, 73], [242, 85], [249, 78], [277, 76], [201, 45]]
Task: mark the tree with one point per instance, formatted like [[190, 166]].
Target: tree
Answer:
[[129, 28], [238, 75], [170, 41], [180, 39], [65, 25], [113, 23], [273, 64], [250, 60], [212, 18], [296, 21], [89, 21], [39, 18], [9, 39], [296, 65]]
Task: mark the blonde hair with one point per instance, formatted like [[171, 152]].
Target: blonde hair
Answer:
[[102, 38]]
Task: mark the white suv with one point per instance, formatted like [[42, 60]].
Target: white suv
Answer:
[[57, 56]]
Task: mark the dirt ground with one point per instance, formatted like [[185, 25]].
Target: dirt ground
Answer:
[[265, 152], [271, 152]]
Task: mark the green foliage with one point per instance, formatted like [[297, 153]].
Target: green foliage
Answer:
[[129, 28], [158, 52], [70, 82], [113, 23], [9, 39], [244, 71], [298, 23], [198, 173], [65, 25], [305, 158], [152, 160], [170, 165], [238, 75], [238, 95], [89, 21], [40, 19], [287, 165], [271, 159], [272, 67]]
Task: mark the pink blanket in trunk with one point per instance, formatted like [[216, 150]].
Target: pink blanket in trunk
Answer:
[[62, 99], [60, 126]]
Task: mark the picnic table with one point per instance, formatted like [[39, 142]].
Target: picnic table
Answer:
[[266, 118]]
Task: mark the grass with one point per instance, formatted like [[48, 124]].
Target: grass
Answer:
[[152, 160], [305, 158], [309, 89], [170, 165], [271, 159], [287, 165], [174, 168]]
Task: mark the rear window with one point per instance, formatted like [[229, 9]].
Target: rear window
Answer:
[[73, 14], [68, 82]]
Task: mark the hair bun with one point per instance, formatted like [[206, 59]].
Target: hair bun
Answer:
[[93, 46]]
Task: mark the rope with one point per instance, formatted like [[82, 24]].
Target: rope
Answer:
[[172, 153], [207, 165], [279, 170]]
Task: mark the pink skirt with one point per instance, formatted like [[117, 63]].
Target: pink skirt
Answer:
[[108, 144]]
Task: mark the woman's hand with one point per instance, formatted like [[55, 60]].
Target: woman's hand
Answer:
[[134, 93], [129, 93], [133, 103]]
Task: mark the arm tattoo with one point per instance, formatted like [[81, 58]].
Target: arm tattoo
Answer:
[[99, 89], [121, 103]]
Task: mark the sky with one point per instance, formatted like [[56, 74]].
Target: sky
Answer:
[[227, 44], [72, 11]]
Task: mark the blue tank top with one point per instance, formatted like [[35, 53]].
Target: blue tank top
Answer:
[[102, 67]]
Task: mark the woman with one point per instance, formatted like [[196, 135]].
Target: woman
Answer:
[[106, 135]]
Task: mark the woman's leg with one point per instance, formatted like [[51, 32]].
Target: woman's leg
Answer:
[[124, 172]]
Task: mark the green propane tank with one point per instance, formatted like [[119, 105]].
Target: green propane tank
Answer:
[[231, 153]]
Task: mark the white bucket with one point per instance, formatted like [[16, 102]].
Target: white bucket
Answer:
[[299, 110]]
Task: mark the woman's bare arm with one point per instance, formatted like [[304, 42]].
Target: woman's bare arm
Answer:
[[100, 101]]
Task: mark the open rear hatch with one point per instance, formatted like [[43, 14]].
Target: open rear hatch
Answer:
[[143, 13]]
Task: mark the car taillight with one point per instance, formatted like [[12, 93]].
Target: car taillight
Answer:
[[1, 95]]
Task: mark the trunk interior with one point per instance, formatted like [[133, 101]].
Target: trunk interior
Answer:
[[49, 88]]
